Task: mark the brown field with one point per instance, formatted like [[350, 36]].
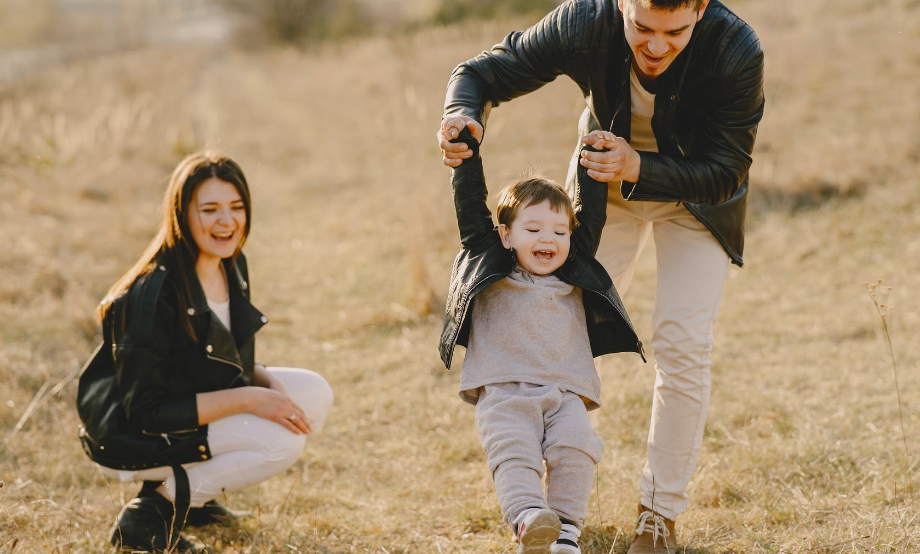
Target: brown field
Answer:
[[351, 248]]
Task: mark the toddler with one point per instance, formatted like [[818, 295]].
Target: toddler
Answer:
[[533, 308]]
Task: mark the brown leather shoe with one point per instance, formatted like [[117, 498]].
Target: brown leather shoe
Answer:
[[654, 534]]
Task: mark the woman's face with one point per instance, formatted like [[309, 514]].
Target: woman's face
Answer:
[[217, 219]]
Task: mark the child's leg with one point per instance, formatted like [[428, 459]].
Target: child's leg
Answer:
[[572, 448], [510, 421]]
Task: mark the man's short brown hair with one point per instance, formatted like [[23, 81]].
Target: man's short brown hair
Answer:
[[529, 192], [669, 5]]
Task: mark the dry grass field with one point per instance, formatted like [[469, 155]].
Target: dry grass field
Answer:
[[352, 242]]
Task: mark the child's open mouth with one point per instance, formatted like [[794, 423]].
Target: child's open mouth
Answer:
[[544, 255]]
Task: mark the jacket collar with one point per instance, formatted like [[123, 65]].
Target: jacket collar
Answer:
[[245, 319]]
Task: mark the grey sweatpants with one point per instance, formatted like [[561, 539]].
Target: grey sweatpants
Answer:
[[521, 425]]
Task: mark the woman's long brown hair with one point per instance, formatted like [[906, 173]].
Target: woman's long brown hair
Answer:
[[173, 244]]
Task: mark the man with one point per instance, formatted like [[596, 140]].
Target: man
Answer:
[[680, 82]]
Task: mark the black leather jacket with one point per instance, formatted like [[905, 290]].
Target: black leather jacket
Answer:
[[707, 107], [484, 260], [159, 369]]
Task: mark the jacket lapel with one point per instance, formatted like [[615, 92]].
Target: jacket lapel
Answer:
[[245, 319]]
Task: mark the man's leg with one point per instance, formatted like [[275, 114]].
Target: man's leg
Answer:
[[691, 273], [623, 238]]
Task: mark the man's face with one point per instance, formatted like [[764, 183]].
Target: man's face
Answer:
[[657, 36]]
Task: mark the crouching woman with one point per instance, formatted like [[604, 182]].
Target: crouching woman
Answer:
[[173, 396]]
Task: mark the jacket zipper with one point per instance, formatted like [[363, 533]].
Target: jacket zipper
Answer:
[[166, 435], [223, 361]]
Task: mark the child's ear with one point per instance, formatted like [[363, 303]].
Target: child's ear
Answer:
[[505, 232]]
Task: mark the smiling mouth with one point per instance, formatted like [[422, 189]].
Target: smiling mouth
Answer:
[[223, 237], [544, 255], [652, 60]]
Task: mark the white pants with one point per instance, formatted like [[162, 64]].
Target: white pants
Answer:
[[691, 273], [247, 449]]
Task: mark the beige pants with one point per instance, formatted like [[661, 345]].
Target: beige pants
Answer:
[[246, 449], [524, 426], [691, 273]]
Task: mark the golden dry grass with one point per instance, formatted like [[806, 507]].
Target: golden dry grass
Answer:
[[352, 242]]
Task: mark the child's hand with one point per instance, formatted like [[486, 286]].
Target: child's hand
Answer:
[[616, 161], [453, 154]]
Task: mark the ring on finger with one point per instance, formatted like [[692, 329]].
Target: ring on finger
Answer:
[[293, 416]]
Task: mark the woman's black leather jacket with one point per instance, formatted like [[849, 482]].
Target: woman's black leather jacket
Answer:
[[707, 107], [159, 368], [484, 260]]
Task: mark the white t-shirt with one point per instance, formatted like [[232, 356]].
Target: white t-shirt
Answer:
[[643, 107], [222, 311]]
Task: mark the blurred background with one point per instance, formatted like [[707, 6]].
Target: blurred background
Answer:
[[331, 108]]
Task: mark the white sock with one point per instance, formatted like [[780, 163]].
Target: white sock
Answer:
[[569, 532]]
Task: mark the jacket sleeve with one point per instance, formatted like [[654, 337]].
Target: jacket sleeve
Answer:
[[470, 193], [590, 205], [143, 369], [721, 157], [525, 60]]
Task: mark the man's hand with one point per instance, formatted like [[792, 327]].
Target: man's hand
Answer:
[[619, 163], [454, 154]]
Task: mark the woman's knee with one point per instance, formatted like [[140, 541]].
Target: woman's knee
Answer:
[[288, 450], [309, 390]]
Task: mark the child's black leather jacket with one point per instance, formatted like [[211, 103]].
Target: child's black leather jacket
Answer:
[[484, 260]]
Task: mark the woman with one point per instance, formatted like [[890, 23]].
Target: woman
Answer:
[[174, 396]]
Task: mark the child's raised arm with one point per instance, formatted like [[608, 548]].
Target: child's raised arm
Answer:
[[469, 185], [591, 197]]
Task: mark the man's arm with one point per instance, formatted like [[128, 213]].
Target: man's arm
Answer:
[[522, 63]]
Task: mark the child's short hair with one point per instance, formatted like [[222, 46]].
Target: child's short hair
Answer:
[[530, 191]]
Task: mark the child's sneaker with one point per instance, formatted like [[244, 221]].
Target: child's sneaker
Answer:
[[537, 531], [567, 543]]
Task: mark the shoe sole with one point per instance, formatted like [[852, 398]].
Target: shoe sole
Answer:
[[540, 534]]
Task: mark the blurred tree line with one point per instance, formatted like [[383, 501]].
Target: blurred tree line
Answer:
[[452, 11], [305, 21]]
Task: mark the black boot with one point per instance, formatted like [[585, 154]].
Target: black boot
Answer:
[[213, 512], [146, 523], [149, 488]]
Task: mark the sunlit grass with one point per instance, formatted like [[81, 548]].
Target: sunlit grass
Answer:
[[352, 243]]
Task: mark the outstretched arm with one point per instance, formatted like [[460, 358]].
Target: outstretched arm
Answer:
[[470, 193], [522, 63], [591, 195]]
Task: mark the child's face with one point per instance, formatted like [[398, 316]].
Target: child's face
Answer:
[[540, 237]]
